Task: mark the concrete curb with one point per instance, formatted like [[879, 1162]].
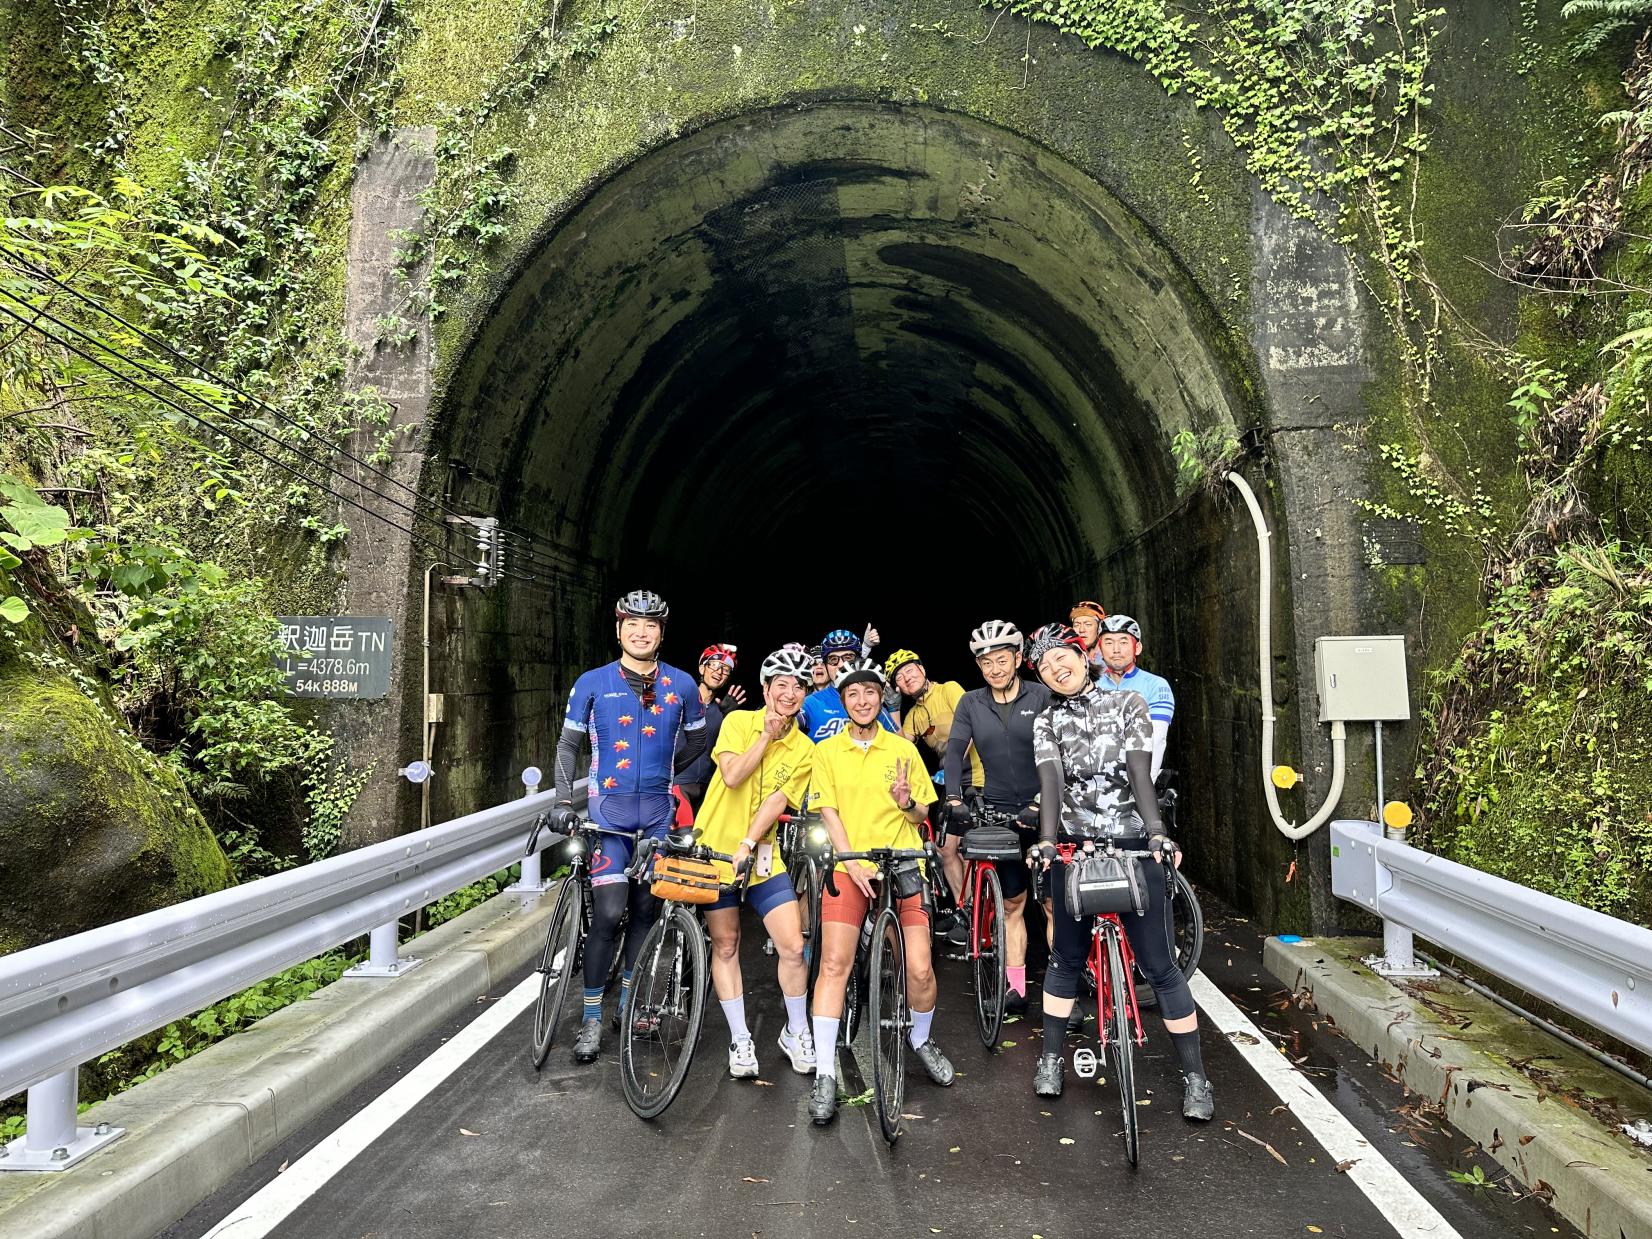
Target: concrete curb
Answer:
[[195, 1126], [1457, 1052]]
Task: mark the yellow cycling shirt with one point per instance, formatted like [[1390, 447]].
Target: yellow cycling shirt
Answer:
[[856, 783], [930, 720], [727, 813]]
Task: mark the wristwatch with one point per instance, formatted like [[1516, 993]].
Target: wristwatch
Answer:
[[908, 806]]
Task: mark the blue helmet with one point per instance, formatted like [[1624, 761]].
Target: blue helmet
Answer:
[[839, 640]]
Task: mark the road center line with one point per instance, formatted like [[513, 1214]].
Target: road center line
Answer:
[[275, 1201], [1404, 1207]]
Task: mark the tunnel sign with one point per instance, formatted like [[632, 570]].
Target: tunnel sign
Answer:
[[336, 655]]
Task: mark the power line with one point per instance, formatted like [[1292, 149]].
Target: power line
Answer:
[[219, 430], [531, 553]]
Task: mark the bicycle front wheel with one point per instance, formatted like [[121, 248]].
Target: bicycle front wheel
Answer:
[[1120, 1045], [888, 1020], [806, 884], [1187, 920], [667, 1008], [987, 952], [558, 965]]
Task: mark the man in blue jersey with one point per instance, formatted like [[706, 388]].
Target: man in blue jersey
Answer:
[[632, 711], [1120, 646], [823, 714]]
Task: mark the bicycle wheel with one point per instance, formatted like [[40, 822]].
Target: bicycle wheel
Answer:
[[806, 884], [991, 981], [558, 964], [854, 998], [888, 1020], [1120, 1046], [1187, 921], [667, 1009]]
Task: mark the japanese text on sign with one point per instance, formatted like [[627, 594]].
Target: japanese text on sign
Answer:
[[337, 655]]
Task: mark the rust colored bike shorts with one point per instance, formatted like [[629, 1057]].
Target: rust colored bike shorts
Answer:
[[849, 906]]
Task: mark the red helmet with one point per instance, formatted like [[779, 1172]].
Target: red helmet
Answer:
[[718, 653], [1051, 637]]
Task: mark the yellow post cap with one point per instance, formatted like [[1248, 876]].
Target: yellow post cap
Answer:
[[1285, 777], [1397, 815]]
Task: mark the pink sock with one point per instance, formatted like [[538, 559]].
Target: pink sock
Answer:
[[1018, 980]]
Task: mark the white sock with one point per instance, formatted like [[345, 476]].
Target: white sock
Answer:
[[734, 1011], [797, 1013], [921, 1021], [826, 1045]]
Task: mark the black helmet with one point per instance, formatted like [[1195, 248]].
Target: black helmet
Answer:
[[641, 604]]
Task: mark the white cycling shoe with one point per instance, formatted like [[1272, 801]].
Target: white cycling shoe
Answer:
[[800, 1048], [742, 1059]]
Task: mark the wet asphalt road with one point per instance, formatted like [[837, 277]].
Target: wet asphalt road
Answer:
[[557, 1153]]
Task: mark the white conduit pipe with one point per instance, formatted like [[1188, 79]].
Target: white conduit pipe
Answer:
[[1339, 733]]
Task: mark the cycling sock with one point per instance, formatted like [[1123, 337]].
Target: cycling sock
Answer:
[[1055, 1029], [797, 1013], [921, 1020], [826, 1045], [593, 1004], [734, 1011], [1187, 1051], [625, 989], [1018, 979]]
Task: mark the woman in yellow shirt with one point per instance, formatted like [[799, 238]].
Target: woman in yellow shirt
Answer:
[[762, 763]]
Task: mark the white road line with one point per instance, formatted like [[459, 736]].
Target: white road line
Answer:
[[271, 1204], [1406, 1210]]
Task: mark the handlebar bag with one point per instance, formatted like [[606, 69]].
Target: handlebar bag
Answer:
[[991, 843], [1098, 884], [909, 879], [685, 880]]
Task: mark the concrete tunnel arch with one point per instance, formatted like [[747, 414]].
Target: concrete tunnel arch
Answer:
[[803, 320]]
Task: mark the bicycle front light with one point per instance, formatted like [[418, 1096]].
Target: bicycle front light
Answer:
[[576, 846], [818, 837]]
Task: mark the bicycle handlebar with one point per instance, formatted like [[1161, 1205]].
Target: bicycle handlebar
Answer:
[[883, 858]]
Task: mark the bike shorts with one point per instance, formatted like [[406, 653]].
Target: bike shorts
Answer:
[[765, 896], [849, 906], [649, 815]]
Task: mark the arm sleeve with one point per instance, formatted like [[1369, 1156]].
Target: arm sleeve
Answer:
[[1136, 765], [690, 746], [1161, 730], [1048, 759], [957, 745], [567, 760]]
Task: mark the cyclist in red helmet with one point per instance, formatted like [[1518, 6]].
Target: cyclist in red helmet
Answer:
[[718, 696]]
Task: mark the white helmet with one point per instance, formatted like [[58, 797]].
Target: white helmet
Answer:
[[995, 635], [785, 661], [861, 671]]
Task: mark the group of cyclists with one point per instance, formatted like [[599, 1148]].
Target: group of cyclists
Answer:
[[1071, 757]]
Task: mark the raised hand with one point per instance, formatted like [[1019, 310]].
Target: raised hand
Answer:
[[901, 788], [735, 695]]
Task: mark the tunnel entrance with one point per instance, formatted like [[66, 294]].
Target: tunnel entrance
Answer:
[[817, 366]]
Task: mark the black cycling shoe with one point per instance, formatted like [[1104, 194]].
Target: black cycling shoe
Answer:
[[1050, 1075], [589, 1042], [935, 1063], [1015, 1004], [1198, 1102], [958, 934], [1075, 1021], [823, 1100], [1146, 999]]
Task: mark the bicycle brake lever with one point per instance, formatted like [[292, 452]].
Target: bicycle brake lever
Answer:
[[533, 835], [831, 873]]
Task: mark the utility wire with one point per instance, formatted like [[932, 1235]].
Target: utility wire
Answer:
[[532, 543], [218, 430]]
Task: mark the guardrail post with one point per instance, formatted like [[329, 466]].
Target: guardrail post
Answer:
[[532, 881], [54, 1139], [384, 960], [1398, 958]]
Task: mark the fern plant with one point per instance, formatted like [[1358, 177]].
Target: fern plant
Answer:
[[1614, 17]]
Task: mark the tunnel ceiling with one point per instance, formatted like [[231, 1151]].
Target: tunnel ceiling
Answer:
[[876, 308]]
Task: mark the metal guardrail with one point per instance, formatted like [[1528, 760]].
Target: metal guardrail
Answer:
[[64, 1003], [1592, 965]]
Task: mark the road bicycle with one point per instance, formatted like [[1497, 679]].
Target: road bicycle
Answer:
[[563, 957], [883, 951], [990, 841], [803, 840], [672, 975], [1109, 968], [1187, 918]]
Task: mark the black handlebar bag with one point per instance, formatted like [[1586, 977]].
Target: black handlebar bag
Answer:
[[1098, 883], [909, 879], [998, 843]]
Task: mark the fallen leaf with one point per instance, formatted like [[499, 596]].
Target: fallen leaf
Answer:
[[1343, 1167], [465, 1131], [1527, 1139], [1273, 1151], [282, 1168], [1314, 1230], [1008, 1045], [753, 1178], [904, 1116], [1068, 1140], [761, 1083], [955, 1149]]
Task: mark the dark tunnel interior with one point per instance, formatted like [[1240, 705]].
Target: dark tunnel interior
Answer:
[[822, 367]]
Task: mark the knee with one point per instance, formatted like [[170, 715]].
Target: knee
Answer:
[[834, 965], [725, 949], [920, 977], [789, 951]]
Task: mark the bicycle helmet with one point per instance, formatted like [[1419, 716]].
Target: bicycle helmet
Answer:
[[1122, 623], [861, 671], [839, 640], [897, 660], [816, 654], [1087, 608], [641, 604], [786, 661], [996, 635], [718, 653], [1053, 637]]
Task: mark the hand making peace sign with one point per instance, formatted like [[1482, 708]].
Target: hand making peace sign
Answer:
[[901, 788]]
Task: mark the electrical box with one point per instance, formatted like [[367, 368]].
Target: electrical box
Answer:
[[1361, 679]]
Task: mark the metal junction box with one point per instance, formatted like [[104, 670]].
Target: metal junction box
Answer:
[[1361, 679]]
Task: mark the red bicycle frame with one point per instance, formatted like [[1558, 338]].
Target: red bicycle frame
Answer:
[[1099, 973]]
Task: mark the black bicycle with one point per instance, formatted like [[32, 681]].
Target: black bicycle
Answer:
[[672, 975], [564, 955], [884, 950], [803, 842], [1187, 918]]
